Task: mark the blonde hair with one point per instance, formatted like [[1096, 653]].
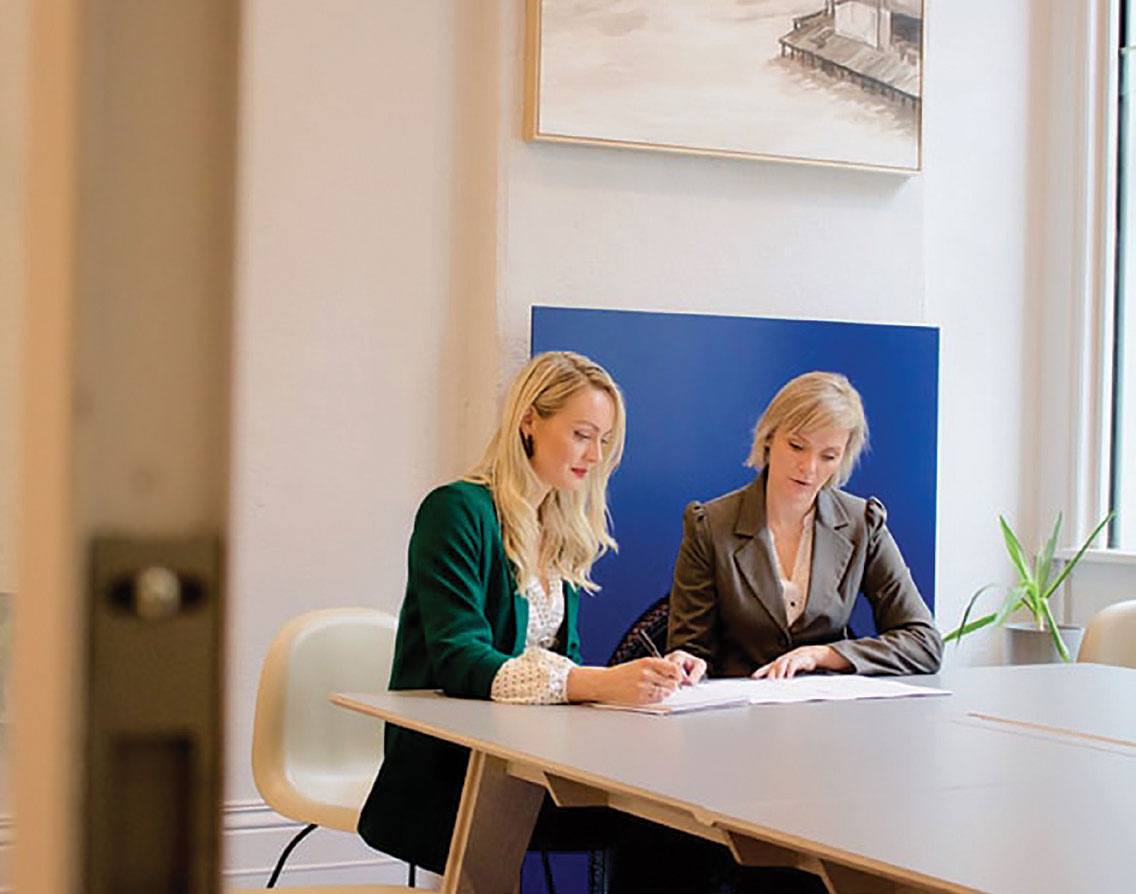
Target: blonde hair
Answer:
[[806, 403], [568, 531]]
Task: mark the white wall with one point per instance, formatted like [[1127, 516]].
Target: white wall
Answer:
[[395, 230], [346, 358], [980, 156]]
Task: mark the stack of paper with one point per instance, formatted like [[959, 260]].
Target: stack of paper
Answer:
[[809, 688]]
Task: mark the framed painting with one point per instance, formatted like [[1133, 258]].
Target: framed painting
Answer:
[[835, 82]]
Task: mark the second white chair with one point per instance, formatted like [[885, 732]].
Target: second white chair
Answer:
[[1110, 637]]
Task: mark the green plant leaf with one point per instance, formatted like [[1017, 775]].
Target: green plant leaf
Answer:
[[1055, 634], [958, 632], [1028, 586], [1014, 599], [1072, 563], [1030, 598], [1044, 566], [1017, 554], [964, 629]]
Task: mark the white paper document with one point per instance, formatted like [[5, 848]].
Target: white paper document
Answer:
[[808, 688]]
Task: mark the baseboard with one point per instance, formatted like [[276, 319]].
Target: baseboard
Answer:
[[253, 836]]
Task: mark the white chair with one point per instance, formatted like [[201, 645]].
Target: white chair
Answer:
[[1110, 637], [311, 761]]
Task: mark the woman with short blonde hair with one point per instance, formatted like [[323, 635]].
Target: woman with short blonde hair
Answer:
[[809, 402], [766, 576]]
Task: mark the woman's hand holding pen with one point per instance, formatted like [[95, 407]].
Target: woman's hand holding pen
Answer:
[[643, 681], [639, 682], [693, 669]]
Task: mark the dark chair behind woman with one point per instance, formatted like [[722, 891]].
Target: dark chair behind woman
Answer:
[[653, 624]]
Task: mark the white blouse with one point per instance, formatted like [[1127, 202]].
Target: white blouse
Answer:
[[795, 588], [538, 676]]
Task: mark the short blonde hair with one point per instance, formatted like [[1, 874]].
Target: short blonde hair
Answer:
[[811, 401], [569, 530]]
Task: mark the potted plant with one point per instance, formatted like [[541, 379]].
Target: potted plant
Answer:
[[1042, 640]]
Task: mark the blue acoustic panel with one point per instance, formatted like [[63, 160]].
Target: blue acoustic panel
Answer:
[[571, 873], [695, 385]]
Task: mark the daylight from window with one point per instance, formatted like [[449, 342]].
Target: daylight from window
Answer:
[[1123, 535]]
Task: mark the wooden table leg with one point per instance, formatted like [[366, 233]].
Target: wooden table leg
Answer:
[[841, 879], [495, 822], [837, 878]]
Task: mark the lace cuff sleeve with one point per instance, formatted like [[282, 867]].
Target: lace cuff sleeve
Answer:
[[535, 677]]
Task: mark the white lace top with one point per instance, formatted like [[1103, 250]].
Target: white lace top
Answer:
[[538, 676], [795, 588]]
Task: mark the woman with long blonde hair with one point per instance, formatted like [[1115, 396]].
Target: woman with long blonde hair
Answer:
[[497, 561]]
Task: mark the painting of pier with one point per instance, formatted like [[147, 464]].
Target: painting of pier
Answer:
[[825, 81], [876, 43]]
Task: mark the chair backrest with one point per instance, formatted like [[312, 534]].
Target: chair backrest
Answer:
[[1110, 637], [312, 761], [652, 624]]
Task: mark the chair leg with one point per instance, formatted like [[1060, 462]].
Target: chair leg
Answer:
[[599, 863], [548, 882], [411, 876], [300, 836]]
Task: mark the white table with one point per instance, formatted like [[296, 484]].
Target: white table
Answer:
[[1022, 782]]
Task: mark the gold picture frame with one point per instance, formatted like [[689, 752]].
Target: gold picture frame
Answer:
[[841, 85]]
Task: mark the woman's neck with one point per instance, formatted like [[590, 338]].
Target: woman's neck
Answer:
[[784, 514], [537, 494]]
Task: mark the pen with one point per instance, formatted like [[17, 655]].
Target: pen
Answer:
[[650, 643], [686, 681]]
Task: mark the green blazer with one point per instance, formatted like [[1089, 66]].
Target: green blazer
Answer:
[[462, 618]]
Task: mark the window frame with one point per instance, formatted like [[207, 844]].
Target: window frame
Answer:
[[1095, 263]]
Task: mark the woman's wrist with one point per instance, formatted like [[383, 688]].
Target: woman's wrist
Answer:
[[832, 660], [585, 684]]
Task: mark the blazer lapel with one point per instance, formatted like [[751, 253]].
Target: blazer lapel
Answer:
[[753, 556], [831, 552]]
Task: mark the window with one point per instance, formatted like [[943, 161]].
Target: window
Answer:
[[1122, 489]]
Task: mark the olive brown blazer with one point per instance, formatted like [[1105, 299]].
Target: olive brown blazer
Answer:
[[726, 604]]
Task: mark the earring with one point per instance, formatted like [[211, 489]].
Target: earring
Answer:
[[527, 444]]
